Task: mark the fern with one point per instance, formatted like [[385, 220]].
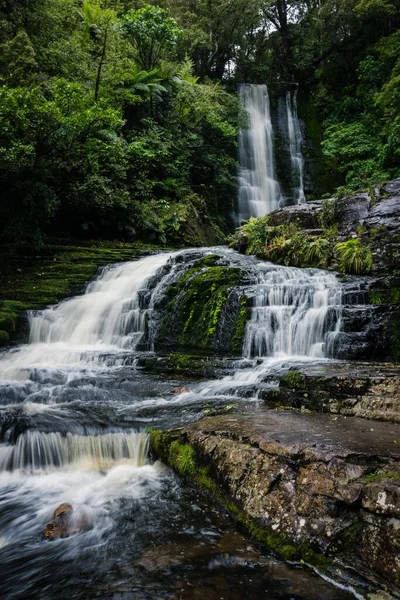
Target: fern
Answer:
[[317, 252], [354, 257]]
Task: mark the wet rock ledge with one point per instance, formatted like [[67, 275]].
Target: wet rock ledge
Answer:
[[315, 487], [366, 390]]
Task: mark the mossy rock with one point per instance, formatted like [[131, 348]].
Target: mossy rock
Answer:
[[173, 448], [4, 337], [7, 323], [191, 366], [206, 310]]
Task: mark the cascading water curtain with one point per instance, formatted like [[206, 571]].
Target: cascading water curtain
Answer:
[[295, 142], [259, 191]]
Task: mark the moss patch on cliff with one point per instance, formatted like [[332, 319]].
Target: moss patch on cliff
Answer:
[[193, 317], [32, 281], [242, 318]]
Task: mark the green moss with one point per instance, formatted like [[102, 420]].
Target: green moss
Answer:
[[349, 539], [4, 337], [373, 477], [196, 303], [7, 323], [293, 380], [240, 327], [182, 458]]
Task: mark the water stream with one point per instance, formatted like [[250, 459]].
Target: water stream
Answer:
[[74, 408], [259, 191], [295, 141]]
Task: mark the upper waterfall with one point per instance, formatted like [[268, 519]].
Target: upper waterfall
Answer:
[[261, 189], [259, 192], [295, 140]]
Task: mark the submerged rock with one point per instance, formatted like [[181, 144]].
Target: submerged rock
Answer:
[[65, 522], [180, 390]]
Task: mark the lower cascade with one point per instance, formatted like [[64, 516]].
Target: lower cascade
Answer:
[[76, 405], [295, 313], [38, 450]]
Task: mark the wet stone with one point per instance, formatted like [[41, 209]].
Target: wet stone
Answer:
[[65, 522]]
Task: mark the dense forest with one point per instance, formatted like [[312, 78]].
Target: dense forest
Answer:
[[119, 118]]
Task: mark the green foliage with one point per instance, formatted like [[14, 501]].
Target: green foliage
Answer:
[[153, 33], [17, 60], [95, 143], [126, 124], [376, 477], [354, 256], [57, 152], [4, 337], [355, 151], [317, 252], [287, 244]]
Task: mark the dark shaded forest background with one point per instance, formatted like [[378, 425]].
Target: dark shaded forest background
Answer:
[[119, 119]]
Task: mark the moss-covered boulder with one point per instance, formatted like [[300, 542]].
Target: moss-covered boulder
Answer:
[[205, 310], [4, 337]]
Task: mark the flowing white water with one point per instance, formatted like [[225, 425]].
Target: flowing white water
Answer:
[[295, 313], [68, 405], [295, 141], [108, 314], [36, 450], [259, 192], [107, 318], [295, 317]]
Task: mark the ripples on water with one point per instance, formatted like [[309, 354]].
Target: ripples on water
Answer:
[[73, 413]]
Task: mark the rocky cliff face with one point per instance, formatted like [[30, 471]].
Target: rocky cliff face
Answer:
[[373, 217]]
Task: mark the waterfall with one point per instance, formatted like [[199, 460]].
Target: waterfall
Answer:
[[259, 192], [108, 314], [296, 313], [36, 450], [295, 140]]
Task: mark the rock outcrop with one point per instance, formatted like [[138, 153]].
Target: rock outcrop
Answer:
[[361, 390], [317, 488]]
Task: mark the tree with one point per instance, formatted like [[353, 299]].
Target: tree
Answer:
[[18, 62], [153, 33], [98, 23], [214, 31]]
